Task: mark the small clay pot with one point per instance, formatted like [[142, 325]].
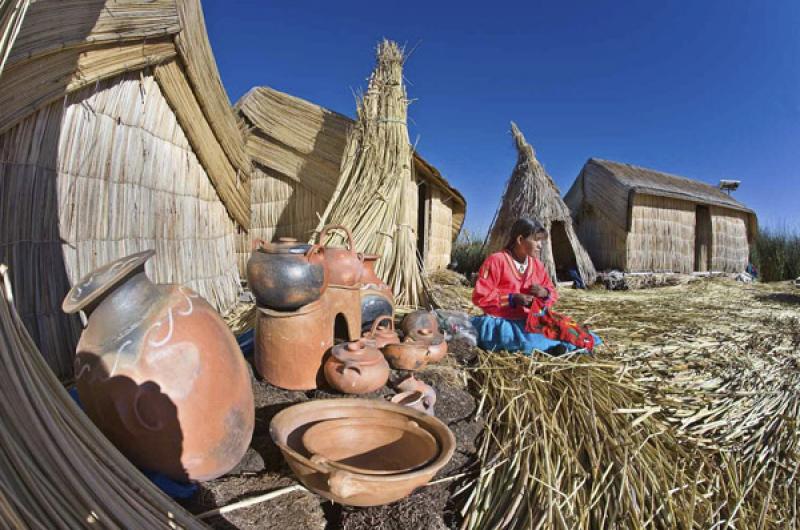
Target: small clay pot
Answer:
[[437, 346], [373, 446], [411, 384], [382, 335], [416, 400], [418, 320], [356, 368], [344, 265], [407, 355], [286, 275]]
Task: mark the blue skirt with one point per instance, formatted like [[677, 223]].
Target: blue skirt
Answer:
[[496, 333]]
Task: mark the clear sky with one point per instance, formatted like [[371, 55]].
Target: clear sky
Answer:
[[703, 89]]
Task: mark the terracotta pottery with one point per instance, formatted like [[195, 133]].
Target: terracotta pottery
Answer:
[[345, 311], [286, 275], [382, 332], [356, 367], [437, 346], [159, 372], [414, 399], [373, 305], [352, 488], [290, 346], [407, 355], [417, 320], [370, 279], [344, 265], [373, 446]]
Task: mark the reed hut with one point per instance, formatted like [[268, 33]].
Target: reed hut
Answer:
[[641, 220], [116, 135], [297, 149], [531, 192]]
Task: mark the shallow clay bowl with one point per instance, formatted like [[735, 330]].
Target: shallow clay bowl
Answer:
[[374, 446], [356, 489]]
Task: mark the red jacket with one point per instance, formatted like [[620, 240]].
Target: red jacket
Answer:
[[498, 277]]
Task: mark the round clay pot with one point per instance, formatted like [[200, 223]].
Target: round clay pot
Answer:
[[381, 334], [373, 446], [344, 265], [373, 305], [352, 488], [437, 346], [286, 275], [369, 278], [416, 400], [160, 374], [407, 355], [356, 368], [417, 320]]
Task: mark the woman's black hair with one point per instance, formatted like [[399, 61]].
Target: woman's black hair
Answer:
[[524, 227]]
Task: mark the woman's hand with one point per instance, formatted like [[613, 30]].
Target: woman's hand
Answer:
[[538, 291], [521, 299]]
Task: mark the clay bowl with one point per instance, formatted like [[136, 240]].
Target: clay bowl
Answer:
[[355, 489], [374, 446], [407, 355]]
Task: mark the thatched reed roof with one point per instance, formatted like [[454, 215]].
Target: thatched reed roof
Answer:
[[651, 182], [304, 142], [63, 46], [531, 192]]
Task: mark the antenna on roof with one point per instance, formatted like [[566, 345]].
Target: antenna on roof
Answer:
[[729, 185]]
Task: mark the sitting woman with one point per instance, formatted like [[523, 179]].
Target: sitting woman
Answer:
[[516, 294]]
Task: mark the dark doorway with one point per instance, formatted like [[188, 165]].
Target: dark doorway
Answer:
[[702, 239], [563, 255], [422, 217]]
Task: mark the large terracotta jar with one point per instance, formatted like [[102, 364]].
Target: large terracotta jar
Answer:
[[159, 372]]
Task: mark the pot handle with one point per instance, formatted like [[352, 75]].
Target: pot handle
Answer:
[[378, 321], [351, 245], [344, 484], [258, 244], [313, 250], [350, 365]]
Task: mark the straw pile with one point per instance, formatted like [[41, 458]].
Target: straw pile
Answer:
[[531, 192], [56, 469], [371, 196]]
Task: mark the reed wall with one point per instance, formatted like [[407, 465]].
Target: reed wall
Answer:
[[440, 233], [104, 173], [730, 247], [661, 237]]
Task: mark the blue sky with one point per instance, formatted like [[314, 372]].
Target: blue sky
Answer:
[[703, 89]]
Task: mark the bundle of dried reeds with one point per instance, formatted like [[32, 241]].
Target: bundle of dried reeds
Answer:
[[371, 195], [56, 469], [11, 14], [531, 192]]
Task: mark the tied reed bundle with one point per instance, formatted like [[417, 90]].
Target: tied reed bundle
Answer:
[[375, 178], [11, 14], [56, 469]]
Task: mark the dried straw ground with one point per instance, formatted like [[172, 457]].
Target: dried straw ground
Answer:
[[687, 418]]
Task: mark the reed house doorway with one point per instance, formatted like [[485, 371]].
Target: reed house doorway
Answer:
[[423, 206], [702, 239], [563, 254]]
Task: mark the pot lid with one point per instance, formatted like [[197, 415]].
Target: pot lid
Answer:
[[93, 285], [285, 245], [360, 351]]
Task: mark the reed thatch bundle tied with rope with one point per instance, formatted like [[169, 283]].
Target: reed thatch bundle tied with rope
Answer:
[[531, 192], [375, 176]]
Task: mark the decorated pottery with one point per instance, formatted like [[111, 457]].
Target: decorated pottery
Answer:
[[356, 367], [344, 265], [286, 275], [160, 374], [373, 446], [382, 332], [407, 355], [352, 487]]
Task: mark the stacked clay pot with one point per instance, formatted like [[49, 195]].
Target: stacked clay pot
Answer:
[[286, 275], [160, 374]]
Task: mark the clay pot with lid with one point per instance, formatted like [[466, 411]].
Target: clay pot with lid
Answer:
[[286, 275], [344, 265], [160, 374], [381, 333], [356, 367], [407, 355], [437, 346]]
